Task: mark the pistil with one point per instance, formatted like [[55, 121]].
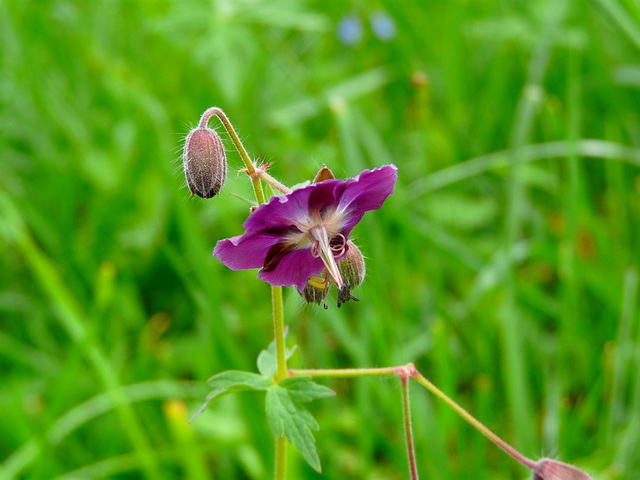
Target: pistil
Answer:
[[320, 248]]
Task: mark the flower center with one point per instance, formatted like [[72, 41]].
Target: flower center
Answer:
[[327, 249]]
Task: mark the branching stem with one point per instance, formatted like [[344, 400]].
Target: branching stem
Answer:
[[410, 371], [276, 292]]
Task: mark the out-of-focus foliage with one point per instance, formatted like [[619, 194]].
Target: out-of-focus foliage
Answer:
[[506, 265]]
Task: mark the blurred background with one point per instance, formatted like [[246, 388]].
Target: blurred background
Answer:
[[505, 265]]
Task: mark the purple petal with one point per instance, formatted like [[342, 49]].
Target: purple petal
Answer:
[[282, 211], [357, 195], [367, 191], [245, 251], [271, 224], [295, 268]]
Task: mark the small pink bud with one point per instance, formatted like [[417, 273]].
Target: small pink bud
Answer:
[[204, 161], [547, 469]]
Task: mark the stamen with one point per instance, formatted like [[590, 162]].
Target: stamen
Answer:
[[326, 289], [320, 245], [315, 249], [317, 282]]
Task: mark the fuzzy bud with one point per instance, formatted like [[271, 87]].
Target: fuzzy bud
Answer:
[[204, 161], [547, 469], [352, 266], [312, 294]]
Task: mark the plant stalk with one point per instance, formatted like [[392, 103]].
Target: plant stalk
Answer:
[[276, 292], [278, 329], [408, 430], [251, 170], [410, 371]]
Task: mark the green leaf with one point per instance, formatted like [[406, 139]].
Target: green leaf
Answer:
[[232, 381], [267, 362], [236, 381], [288, 417], [303, 389]]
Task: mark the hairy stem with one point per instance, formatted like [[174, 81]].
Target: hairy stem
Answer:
[[262, 173], [408, 430], [417, 376], [251, 170], [409, 370], [276, 292], [344, 372], [278, 329]]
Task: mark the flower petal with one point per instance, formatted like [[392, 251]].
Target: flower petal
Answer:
[[244, 252], [270, 240], [295, 207], [367, 191], [295, 268]]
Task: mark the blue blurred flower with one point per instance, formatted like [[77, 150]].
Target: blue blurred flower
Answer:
[[383, 25], [349, 29]]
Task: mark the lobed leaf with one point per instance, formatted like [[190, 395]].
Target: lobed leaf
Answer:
[[229, 382], [288, 417], [236, 380]]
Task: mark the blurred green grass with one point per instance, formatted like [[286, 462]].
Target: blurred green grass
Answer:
[[505, 265]]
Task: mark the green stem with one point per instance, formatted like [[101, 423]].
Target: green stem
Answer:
[[276, 292], [272, 181], [344, 372], [251, 170], [410, 371], [417, 376], [408, 430], [278, 328], [281, 458]]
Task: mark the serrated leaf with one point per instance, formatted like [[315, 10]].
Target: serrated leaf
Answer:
[[267, 362], [303, 389], [236, 380], [288, 417], [229, 382]]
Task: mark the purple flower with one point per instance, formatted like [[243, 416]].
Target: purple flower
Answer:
[[297, 235]]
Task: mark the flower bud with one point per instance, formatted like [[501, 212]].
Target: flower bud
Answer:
[[351, 267], [547, 469], [324, 174], [312, 294], [204, 161]]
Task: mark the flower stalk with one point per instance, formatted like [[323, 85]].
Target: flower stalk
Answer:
[[251, 170], [276, 291], [408, 430], [405, 372]]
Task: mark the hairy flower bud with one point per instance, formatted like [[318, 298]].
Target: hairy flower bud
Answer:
[[312, 294], [352, 266], [324, 174], [204, 161], [547, 469]]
